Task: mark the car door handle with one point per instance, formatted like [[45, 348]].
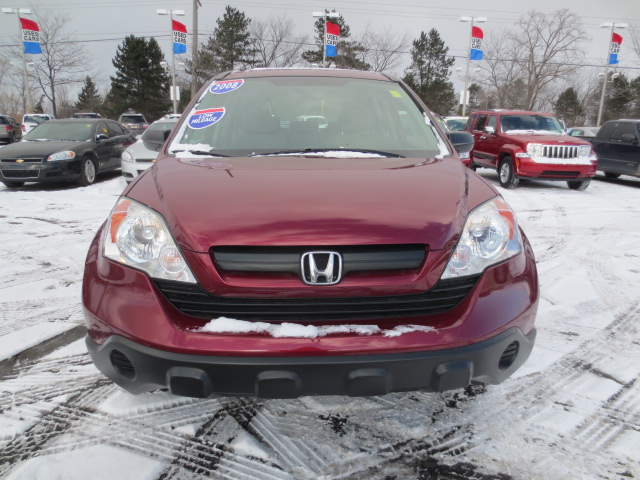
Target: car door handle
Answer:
[[482, 137]]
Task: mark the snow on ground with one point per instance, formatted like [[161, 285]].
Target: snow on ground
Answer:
[[572, 411]]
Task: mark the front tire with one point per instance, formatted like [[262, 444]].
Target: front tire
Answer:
[[578, 185], [87, 172], [506, 174]]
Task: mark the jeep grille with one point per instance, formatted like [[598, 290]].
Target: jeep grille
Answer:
[[560, 151]]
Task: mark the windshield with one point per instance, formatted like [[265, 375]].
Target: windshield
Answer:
[[34, 119], [132, 119], [162, 125], [76, 131], [536, 124], [276, 115]]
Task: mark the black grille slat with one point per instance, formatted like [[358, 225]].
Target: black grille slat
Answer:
[[194, 301]]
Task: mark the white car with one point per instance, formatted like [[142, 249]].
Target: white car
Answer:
[[32, 120], [141, 155]]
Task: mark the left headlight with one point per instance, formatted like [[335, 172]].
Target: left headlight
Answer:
[[138, 237], [126, 156], [490, 235], [64, 155]]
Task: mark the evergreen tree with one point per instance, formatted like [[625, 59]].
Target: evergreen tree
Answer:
[[620, 99], [428, 74], [230, 46], [141, 83], [634, 87], [350, 54], [89, 100], [568, 108]]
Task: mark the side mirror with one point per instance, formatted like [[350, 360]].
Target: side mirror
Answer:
[[490, 130], [156, 137], [629, 138], [461, 141], [101, 136]]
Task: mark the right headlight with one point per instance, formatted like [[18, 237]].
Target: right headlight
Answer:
[[138, 236], [534, 150], [490, 235], [126, 156]]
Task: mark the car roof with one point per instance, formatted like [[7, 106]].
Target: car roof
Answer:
[[305, 72], [80, 120], [513, 112]]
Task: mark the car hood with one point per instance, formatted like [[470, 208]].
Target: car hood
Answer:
[[143, 150], [289, 201], [547, 139], [38, 148]]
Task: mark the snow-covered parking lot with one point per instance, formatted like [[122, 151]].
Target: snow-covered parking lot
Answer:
[[573, 410]]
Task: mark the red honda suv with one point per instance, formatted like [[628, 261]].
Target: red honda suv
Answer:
[[305, 232]]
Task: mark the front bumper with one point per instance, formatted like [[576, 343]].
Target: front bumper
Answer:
[[527, 168], [60, 171], [138, 368]]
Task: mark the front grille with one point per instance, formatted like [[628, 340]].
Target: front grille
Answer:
[[192, 300], [360, 258], [24, 159], [560, 151], [20, 173]]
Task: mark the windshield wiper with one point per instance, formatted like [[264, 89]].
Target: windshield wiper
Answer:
[[199, 152], [313, 151]]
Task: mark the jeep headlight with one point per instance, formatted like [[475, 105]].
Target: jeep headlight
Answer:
[[137, 236], [584, 150], [63, 155], [534, 150], [490, 235]]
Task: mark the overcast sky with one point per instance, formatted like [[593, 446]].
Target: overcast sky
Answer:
[[102, 24]]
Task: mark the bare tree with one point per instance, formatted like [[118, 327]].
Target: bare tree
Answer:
[[501, 75], [63, 61], [384, 50], [551, 43], [275, 42], [634, 33]]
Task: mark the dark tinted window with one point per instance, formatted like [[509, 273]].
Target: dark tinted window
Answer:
[[132, 119], [605, 132], [115, 129], [622, 128], [482, 121], [4, 121]]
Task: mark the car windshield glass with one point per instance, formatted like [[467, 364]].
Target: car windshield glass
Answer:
[[34, 119], [76, 131], [456, 123], [535, 124], [132, 119], [269, 115]]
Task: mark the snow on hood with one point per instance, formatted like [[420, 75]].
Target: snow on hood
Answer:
[[294, 330]]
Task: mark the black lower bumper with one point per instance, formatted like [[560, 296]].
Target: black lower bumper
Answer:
[[138, 369]]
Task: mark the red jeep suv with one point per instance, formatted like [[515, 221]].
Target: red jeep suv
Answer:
[[305, 232], [529, 145]]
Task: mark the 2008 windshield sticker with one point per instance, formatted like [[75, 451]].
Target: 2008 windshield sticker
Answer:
[[206, 118], [226, 86]]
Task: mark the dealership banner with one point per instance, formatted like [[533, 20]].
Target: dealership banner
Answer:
[[616, 40], [333, 35], [30, 36], [179, 38], [476, 52]]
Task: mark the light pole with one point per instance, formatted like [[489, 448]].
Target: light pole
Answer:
[[612, 26], [324, 14], [174, 94], [27, 93], [466, 73]]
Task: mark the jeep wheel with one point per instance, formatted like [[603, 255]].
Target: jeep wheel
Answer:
[[611, 175], [87, 172], [13, 184], [507, 176], [579, 184]]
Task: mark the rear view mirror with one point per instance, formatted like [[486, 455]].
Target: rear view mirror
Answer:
[[461, 141], [629, 138]]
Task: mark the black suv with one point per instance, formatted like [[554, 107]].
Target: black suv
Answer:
[[617, 146], [10, 130]]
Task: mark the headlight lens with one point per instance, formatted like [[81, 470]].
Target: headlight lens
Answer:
[[534, 150], [127, 157], [584, 150], [138, 237], [64, 155], [490, 235]]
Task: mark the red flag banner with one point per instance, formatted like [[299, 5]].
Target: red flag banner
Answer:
[[333, 34]]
